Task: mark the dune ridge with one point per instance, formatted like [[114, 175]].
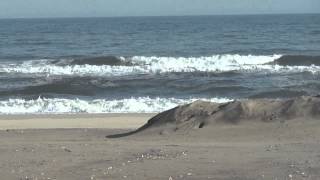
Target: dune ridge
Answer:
[[202, 114]]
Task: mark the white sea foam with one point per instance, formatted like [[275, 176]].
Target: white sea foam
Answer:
[[131, 105], [204, 64], [153, 65]]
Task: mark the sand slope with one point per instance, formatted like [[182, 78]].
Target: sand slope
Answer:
[[202, 114]]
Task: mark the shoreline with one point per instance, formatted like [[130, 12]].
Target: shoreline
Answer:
[[70, 121]]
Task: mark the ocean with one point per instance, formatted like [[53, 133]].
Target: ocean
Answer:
[[151, 64]]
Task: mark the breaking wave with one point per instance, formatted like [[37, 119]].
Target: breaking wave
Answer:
[[121, 66], [58, 106]]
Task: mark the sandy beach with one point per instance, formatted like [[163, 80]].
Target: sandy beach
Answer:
[[68, 121], [76, 147]]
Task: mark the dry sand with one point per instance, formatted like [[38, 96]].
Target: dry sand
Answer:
[[284, 148], [60, 121]]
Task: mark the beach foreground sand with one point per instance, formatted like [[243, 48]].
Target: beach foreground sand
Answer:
[[287, 150], [255, 146]]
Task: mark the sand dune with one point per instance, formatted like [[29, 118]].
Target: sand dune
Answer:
[[202, 114]]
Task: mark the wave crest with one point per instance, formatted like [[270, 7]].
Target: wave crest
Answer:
[[131, 105], [111, 66]]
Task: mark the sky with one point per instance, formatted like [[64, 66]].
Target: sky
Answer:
[[110, 8]]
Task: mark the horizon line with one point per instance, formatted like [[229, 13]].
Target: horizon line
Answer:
[[142, 16]]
